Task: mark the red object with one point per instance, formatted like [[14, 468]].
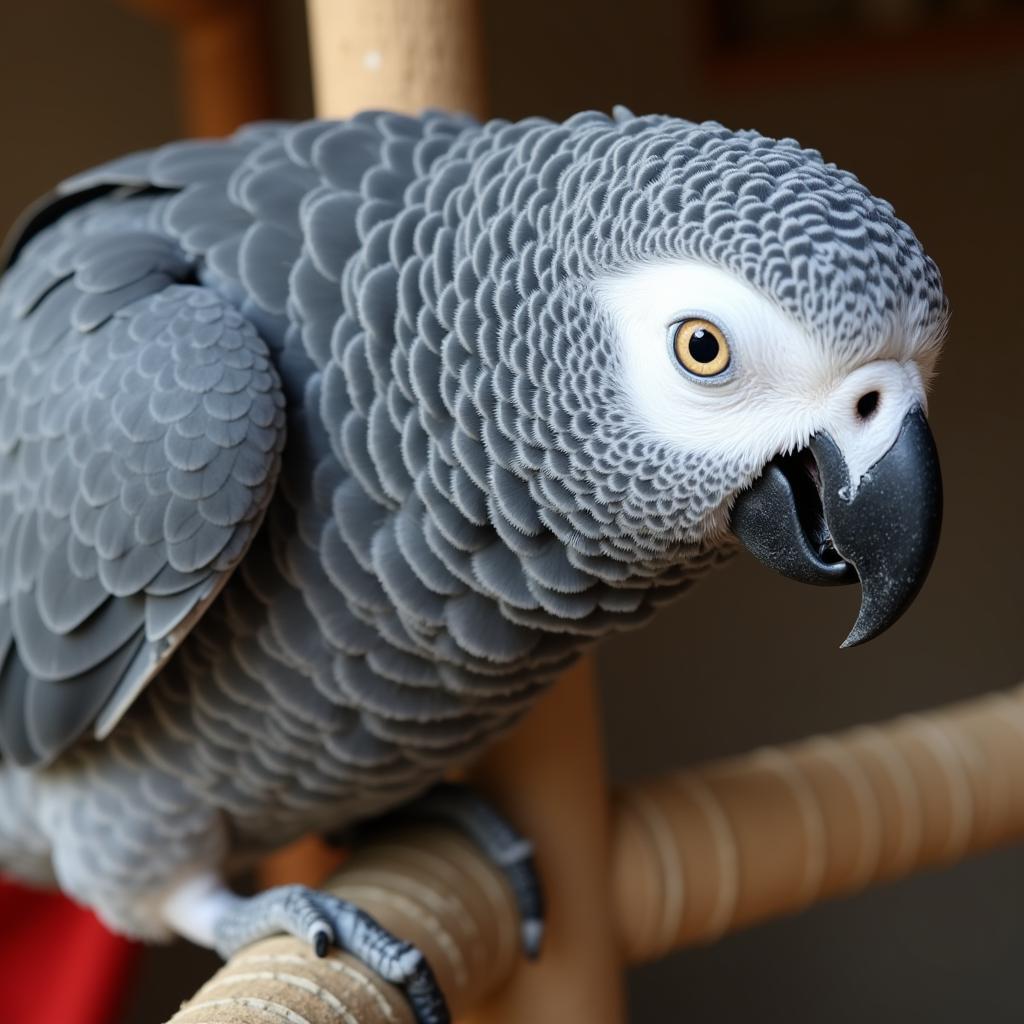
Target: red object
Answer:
[[58, 963]]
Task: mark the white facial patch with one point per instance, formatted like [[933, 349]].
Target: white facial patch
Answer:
[[766, 400], [781, 385]]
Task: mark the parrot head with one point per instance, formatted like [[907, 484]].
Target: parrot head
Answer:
[[753, 335]]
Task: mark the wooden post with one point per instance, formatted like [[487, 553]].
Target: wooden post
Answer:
[[396, 54], [548, 776], [224, 61]]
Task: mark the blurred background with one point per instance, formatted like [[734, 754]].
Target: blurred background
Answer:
[[922, 99]]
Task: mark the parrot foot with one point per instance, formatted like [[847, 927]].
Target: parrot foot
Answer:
[[458, 806], [323, 920]]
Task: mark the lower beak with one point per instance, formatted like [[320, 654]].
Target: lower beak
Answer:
[[803, 518]]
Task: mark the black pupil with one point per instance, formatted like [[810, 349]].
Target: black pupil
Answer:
[[703, 346]]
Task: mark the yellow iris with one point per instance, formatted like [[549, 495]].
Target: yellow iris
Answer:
[[701, 348]]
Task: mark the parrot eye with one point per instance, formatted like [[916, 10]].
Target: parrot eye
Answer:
[[701, 348]]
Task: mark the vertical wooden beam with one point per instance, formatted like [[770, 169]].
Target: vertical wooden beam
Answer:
[[396, 54], [224, 61], [548, 775]]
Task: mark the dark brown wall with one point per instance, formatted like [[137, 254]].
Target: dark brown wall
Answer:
[[747, 658]]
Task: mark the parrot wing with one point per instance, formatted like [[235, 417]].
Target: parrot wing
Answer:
[[141, 428]]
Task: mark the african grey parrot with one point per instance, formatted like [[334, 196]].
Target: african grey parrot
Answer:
[[325, 447]]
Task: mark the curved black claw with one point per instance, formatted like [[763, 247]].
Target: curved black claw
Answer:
[[461, 808], [323, 920]]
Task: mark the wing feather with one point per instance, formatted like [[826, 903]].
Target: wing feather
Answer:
[[65, 600], [50, 717], [141, 428]]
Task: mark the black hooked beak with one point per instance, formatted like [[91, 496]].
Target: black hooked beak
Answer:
[[801, 519]]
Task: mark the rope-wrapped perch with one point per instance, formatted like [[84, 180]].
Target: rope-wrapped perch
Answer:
[[695, 854]]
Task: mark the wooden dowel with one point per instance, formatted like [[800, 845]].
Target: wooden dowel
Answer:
[[695, 854], [429, 882], [729, 844]]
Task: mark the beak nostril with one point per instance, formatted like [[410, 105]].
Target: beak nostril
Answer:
[[867, 404]]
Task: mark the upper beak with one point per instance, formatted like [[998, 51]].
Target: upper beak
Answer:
[[803, 518]]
